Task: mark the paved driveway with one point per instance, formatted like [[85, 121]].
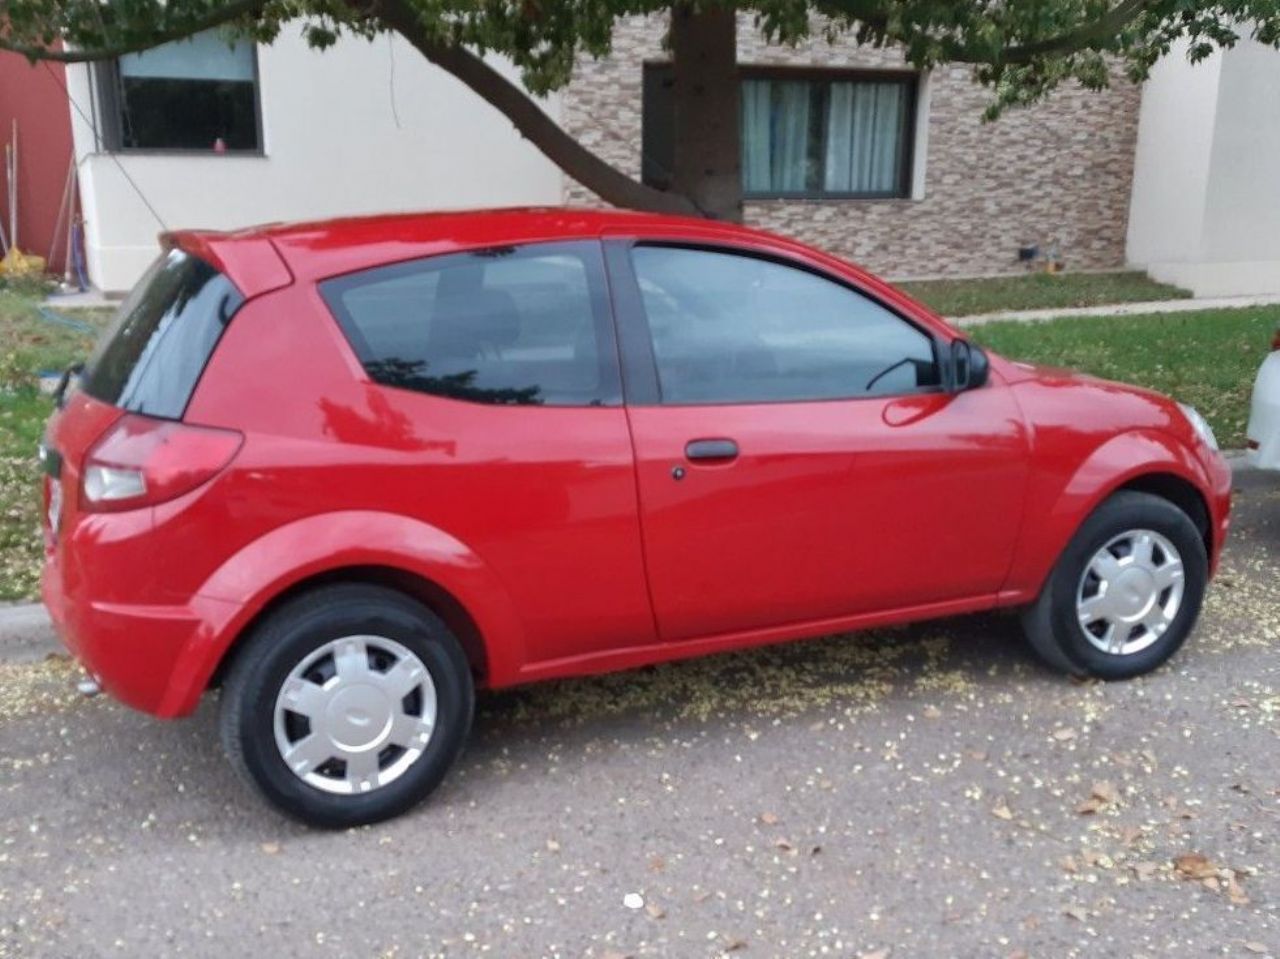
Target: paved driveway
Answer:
[[918, 792]]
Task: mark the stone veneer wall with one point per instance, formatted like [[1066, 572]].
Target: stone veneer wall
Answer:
[[1057, 173]]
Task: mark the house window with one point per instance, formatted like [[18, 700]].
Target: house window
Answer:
[[805, 133], [199, 94]]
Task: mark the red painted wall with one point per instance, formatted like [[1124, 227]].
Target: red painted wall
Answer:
[[35, 97]]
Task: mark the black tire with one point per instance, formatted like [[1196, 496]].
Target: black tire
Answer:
[[296, 630], [1051, 623]]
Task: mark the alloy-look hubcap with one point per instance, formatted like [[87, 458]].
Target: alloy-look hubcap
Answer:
[[1130, 592], [355, 714]]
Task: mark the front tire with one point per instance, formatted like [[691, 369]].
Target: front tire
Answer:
[[1125, 593], [347, 705]]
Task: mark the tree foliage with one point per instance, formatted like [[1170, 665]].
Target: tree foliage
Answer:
[[1020, 49]]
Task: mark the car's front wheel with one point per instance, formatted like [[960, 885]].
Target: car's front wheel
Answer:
[[347, 705], [1125, 593]]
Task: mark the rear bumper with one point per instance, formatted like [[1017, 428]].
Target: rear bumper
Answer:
[[150, 657]]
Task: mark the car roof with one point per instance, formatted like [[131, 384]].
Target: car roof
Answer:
[[323, 248], [263, 258]]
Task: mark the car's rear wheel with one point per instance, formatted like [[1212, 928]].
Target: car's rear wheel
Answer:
[[347, 705], [1125, 593]]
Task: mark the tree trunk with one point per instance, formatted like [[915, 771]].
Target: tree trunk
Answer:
[[611, 184], [706, 97]]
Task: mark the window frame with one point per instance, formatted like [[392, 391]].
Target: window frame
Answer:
[[909, 79], [641, 384], [599, 288], [109, 86]]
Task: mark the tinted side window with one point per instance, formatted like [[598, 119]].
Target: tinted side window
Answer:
[[163, 335], [528, 325], [731, 328]]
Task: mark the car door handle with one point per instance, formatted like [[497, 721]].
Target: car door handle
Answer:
[[717, 449]]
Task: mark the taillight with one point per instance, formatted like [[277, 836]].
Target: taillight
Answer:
[[1275, 340], [142, 461]]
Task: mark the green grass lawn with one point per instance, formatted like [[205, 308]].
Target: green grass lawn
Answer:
[[28, 346], [1036, 291], [1207, 358]]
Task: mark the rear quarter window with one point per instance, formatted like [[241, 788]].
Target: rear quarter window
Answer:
[[151, 358], [518, 326]]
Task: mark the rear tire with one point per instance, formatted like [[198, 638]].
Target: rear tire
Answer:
[[347, 705], [1125, 593]]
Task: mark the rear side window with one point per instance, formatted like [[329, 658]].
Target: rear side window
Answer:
[[152, 356], [509, 326]]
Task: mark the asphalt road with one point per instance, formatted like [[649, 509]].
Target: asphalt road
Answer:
[[928, 791]]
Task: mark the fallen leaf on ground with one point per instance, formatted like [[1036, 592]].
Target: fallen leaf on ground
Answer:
[[875, 954], [1192, 865], [1064, 735], [1236, 893], [271, 848], [768, 818], [1090, 806], [655, 912], [552, 846], [733, 944], [1256, 947], [1145, 870], [1002, 811], [1078, 913], [1104, 791], [1095, 857], [932, 712]]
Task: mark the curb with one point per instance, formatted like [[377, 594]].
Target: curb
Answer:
[[26, 634], [1149, 308]]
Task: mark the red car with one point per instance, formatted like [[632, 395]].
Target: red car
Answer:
[[350, 471]]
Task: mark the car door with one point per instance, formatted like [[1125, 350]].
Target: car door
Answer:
[[495, 383], [797, 458]]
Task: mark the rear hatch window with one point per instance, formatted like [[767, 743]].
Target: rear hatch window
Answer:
[[152, 356]]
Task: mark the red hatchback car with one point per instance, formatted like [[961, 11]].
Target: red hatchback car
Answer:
[[350, 471]]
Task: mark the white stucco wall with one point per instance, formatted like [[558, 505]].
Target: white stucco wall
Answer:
[[1205, 210], [332, 146]]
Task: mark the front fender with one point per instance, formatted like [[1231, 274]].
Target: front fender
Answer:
[[1061, 500], [243, 586]]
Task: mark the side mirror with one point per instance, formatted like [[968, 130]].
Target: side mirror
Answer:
[[968, 367]]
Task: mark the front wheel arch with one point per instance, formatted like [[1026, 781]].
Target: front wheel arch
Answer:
[[1179, 492], [1050, 622], [1147, 461]]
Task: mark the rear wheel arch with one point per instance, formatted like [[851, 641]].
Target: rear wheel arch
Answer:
[[411, 584]]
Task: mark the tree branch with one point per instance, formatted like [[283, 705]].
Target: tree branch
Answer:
[[1107, 25], [232, 11], [529, 119]]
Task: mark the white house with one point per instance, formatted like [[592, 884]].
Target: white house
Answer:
[[1206, 188]]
